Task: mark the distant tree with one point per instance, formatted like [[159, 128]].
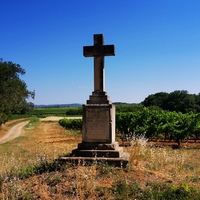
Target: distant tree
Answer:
[[25, 107], [158, 99], [197, 100], [13, 90], [179, 101]]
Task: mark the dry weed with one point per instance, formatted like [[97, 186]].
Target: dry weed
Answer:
[[148, 165]]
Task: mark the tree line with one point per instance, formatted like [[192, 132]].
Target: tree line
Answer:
[[179, 101]]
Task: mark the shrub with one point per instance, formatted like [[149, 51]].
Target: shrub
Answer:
[[75, 124]]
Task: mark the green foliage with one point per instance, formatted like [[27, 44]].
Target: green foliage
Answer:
[[159, 123], [75, 124], [74, 111], [56, 111], [3, 117], [171, 192], [153, 124], [179, 101], [41, 167], [26, 107], [20, 116], [123, 107], [33, 122], [157, 99], [13, 91], [124, 190]]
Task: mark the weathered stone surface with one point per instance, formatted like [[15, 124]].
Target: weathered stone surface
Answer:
[[98, 51], [98, 123], [98, 146], [99, 153], [99, 98]]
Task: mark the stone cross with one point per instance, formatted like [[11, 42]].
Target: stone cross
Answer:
[[98, 51]]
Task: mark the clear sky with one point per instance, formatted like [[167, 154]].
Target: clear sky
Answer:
[[157, 46]]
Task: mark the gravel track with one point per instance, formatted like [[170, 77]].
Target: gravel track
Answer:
[[14, 132]]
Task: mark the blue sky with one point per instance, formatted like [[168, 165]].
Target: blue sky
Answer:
[[157, 46]]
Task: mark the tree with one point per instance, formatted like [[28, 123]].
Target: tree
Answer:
[[181, 101], [13, 90], [158, 99], [197, 100]]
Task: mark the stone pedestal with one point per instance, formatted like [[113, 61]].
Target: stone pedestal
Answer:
[[98, 135], [98, 123]]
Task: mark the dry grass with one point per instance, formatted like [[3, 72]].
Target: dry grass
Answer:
[[44, 143]]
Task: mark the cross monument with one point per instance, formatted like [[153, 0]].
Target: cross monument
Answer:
[[98, 130]]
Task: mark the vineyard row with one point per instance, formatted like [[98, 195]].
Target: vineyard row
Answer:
[[157, 124]]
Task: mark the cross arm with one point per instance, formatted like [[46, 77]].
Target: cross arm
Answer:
[[105, 50]]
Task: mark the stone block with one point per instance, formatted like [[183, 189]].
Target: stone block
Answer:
[[98, 153], [98, 123]]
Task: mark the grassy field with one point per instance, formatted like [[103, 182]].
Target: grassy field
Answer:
[[50, 111], [28, 169], [61, 111], [71, 111]]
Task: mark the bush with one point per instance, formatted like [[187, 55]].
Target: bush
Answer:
[[74, 111], [75, 124]]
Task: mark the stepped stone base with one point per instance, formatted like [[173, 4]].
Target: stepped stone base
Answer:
[[91, 153], [99, 98]]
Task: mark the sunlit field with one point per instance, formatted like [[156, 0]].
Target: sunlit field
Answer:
[[28, 169]]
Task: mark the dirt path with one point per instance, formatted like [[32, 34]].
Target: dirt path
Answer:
[[14, 132]]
